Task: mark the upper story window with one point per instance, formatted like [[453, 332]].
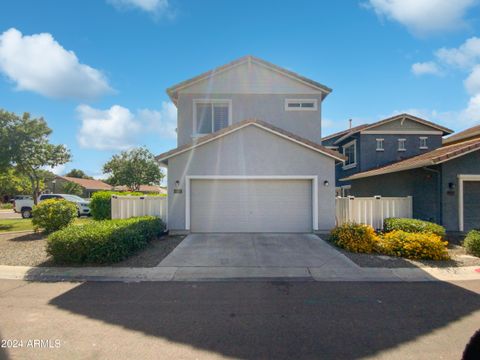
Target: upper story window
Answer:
[[301, 104], [423, 142], [380, 145], [350, 151], [402, 144], [211, 115]]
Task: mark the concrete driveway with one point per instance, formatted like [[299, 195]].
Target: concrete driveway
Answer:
[[255, 250]]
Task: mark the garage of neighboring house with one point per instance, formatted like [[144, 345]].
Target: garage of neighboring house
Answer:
[[251, 205], [469, 202]]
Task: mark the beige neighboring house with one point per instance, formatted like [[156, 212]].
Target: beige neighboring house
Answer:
[[89, 186]]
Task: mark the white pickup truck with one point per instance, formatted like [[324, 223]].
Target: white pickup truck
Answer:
[[25, 206]]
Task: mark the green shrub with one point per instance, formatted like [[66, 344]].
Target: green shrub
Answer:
[[101, 204], [472, 242], [6, 206], [106, 241], [426, 246], [53, 214], [413, 226], [356, 238]]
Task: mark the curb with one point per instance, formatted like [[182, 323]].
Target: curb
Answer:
[[227, 274]]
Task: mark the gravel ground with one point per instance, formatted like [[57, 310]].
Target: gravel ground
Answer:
[[29, 250]]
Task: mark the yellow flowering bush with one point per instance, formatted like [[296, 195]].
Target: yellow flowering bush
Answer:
[[420, 246], [356, 238]]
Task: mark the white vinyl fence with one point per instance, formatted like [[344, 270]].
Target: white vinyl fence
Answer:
[[372, 210], [124, 207]]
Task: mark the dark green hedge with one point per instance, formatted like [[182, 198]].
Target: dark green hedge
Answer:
[[472, 242], [106, 241], [413, 226]]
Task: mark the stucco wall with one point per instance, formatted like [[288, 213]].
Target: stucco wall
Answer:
[[467, 165], [267, 107], [251, 151], [371, 158], [421, 184]]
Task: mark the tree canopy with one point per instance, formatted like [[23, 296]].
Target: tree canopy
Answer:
[[133, 168], [24, 144], [77, 173]]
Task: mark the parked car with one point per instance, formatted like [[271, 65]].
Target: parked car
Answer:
[[25, 206], [20, 197]]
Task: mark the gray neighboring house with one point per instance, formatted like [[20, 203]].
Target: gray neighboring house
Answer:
[[249, 157], [387, 141], [444, 183]]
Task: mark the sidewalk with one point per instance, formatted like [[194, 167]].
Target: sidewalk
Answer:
[[186, 273]]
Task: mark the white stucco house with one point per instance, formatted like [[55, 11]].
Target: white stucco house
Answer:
[[249, 157]]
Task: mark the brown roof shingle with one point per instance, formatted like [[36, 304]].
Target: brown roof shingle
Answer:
[[433, 157], [89, 184], [241, 124], [469, 133]]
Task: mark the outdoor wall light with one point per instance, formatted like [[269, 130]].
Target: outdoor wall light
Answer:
[[177, 184], [451, 186], [326, 183]]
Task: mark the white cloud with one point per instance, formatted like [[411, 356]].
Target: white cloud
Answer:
[[464, 57], [117, 128], [472, 82], [57, 170], [39, 63], [151, 6], [163, 122], [429, 67], [111, 129], [424, 17]]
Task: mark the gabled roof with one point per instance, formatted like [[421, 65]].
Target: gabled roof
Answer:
[[89, 184], [366, 127], [473, 132], [431, 158], [340, 133], [173, 91], [252, 122]]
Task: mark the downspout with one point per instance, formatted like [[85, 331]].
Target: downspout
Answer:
[[439, 191]]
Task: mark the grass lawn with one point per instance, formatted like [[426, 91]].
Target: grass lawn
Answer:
[[26, 224]]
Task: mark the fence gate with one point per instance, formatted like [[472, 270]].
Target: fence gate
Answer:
[[372, 210]]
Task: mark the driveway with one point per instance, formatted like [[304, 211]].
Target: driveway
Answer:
[[255, 250]]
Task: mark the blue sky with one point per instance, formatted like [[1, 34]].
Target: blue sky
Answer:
[[97, 70]]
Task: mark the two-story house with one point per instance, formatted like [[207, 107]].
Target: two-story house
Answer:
[[387, 141], [249, 157]]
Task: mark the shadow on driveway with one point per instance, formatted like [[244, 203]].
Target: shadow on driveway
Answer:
[[280, 320]]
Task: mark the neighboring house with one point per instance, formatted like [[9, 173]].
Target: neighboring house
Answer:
[[249, 157], [370, 146], [148, 189], [444, 183], [89, 186]]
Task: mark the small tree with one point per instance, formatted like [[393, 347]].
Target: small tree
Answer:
[[133, 168], [72, 188], [12, 183], [26, 146], [77, 173]]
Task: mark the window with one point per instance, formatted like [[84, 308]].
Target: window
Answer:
[[301, 105], [211, 115], [423, 143], [350, 151], [380, 145], [401, 144]]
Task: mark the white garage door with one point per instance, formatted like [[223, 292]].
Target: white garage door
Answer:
[[251, 205]]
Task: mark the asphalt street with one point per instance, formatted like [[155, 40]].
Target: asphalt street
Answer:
[[245, 320]]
